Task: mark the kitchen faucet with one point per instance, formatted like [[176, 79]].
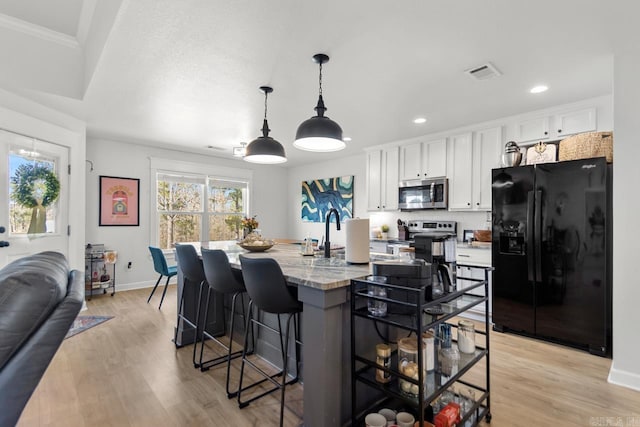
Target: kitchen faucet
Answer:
[[327, 243]]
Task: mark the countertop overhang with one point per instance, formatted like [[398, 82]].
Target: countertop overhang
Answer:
[[311, 271]]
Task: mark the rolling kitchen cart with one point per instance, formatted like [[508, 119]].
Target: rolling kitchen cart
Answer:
[[409, 314], [100, 270]]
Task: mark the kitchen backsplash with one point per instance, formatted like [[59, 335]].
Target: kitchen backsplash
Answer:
[[465, 220]]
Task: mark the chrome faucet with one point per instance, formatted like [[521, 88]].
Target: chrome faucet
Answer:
[[327, 243]]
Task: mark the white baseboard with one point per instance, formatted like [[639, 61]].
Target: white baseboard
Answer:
[[624, 378], [141, 285]]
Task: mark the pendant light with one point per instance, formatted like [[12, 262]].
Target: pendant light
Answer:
[[265, 149], [319, 133]]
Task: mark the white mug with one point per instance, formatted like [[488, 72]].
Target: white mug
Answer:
[[375, 420], [405, 419], [389, 414]]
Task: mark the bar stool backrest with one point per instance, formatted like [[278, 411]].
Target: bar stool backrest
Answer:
[[267, 286], [218, 272], [190, 263], [159, 261]]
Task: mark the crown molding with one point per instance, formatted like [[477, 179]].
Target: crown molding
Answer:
[[38, 31]]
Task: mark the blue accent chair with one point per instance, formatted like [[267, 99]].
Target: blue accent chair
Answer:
[[160, 265]]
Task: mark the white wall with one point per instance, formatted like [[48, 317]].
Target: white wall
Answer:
[[117, 158], [18, 114], [625, 369], [352, 165]]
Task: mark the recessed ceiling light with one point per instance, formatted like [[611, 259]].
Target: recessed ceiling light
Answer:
[[539, 89], [346, 139], [419, 120]]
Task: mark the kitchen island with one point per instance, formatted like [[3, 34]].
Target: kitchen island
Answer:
[[323, 285]]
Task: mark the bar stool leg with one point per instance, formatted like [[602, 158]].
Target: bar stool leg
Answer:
[[166, 285], [229, 354], [180, 311], [285, 362], [244, 350], [206, 316], [195, 344], [154, 289]]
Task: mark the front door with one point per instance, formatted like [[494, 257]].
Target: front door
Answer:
[[34, 215]]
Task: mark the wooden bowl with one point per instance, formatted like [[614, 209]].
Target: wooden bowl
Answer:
[[255, 248], [482, 235]]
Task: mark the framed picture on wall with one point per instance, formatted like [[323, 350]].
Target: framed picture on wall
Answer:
[[119, 201]]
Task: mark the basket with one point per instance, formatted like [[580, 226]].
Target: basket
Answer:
[[587, 145]]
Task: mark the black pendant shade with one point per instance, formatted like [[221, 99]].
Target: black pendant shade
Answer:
[[265, 149], [319, 133]]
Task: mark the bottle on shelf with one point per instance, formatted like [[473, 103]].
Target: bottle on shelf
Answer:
[[383, 358]]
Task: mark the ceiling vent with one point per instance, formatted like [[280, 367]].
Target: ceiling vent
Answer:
[[484, 72]]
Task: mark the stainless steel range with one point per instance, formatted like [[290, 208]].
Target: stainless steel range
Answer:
[[426, 226]]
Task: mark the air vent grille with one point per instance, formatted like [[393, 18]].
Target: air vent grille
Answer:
[[484, 72]]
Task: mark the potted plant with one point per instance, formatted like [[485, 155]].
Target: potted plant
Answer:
[[249, 224], [384, 228]]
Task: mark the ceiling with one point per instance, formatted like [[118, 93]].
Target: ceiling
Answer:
[[186, 73]]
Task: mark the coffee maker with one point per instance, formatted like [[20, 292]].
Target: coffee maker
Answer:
[[435, 243]]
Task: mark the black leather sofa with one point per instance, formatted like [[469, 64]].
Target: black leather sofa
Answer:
[[39, 299]]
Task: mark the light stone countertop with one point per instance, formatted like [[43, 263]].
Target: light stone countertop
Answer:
[[312, 271]]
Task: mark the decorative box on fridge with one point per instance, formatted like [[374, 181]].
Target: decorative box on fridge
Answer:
[[587, 145]]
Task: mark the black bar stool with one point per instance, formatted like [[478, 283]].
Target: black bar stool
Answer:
[[223, 280], [191, 267], [269, 292]]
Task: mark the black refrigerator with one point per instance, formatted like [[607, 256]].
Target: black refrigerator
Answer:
[[551, 250]]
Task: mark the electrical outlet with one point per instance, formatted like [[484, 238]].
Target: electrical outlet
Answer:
[[129, 265], [488, 216]]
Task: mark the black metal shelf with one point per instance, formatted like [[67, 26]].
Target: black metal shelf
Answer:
[[93, 263], [406, 310]]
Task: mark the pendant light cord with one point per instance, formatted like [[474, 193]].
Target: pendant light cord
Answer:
[[320, 79], [265, 104]]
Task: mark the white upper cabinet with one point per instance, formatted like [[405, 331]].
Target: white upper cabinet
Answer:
[[487, 148], [533, 129], [574, 122], [382, 179], [473, 155], [556, 126], [374, 173], [422, 160], [460, 175]]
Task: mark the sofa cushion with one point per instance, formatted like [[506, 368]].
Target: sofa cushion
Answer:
[[30, 288]]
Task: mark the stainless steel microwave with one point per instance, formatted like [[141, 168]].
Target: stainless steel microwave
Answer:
[[423, 194]]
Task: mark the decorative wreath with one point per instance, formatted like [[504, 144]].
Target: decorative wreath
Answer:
[[24, 181]]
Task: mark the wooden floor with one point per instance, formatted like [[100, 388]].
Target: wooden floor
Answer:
[[127, 372]]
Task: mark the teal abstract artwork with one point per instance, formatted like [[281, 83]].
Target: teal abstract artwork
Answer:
[[320, 195]]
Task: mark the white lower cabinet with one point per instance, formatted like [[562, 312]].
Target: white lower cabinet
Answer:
[[473, 272]]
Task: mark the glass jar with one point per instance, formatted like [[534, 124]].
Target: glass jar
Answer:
[[408, 366], [375, 307], [383, 358], [466, 337], [448, 355]]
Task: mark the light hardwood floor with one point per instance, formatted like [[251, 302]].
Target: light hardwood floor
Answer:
[[127, 372]]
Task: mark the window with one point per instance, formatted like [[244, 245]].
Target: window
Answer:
[[194, 208], [23, 165]]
